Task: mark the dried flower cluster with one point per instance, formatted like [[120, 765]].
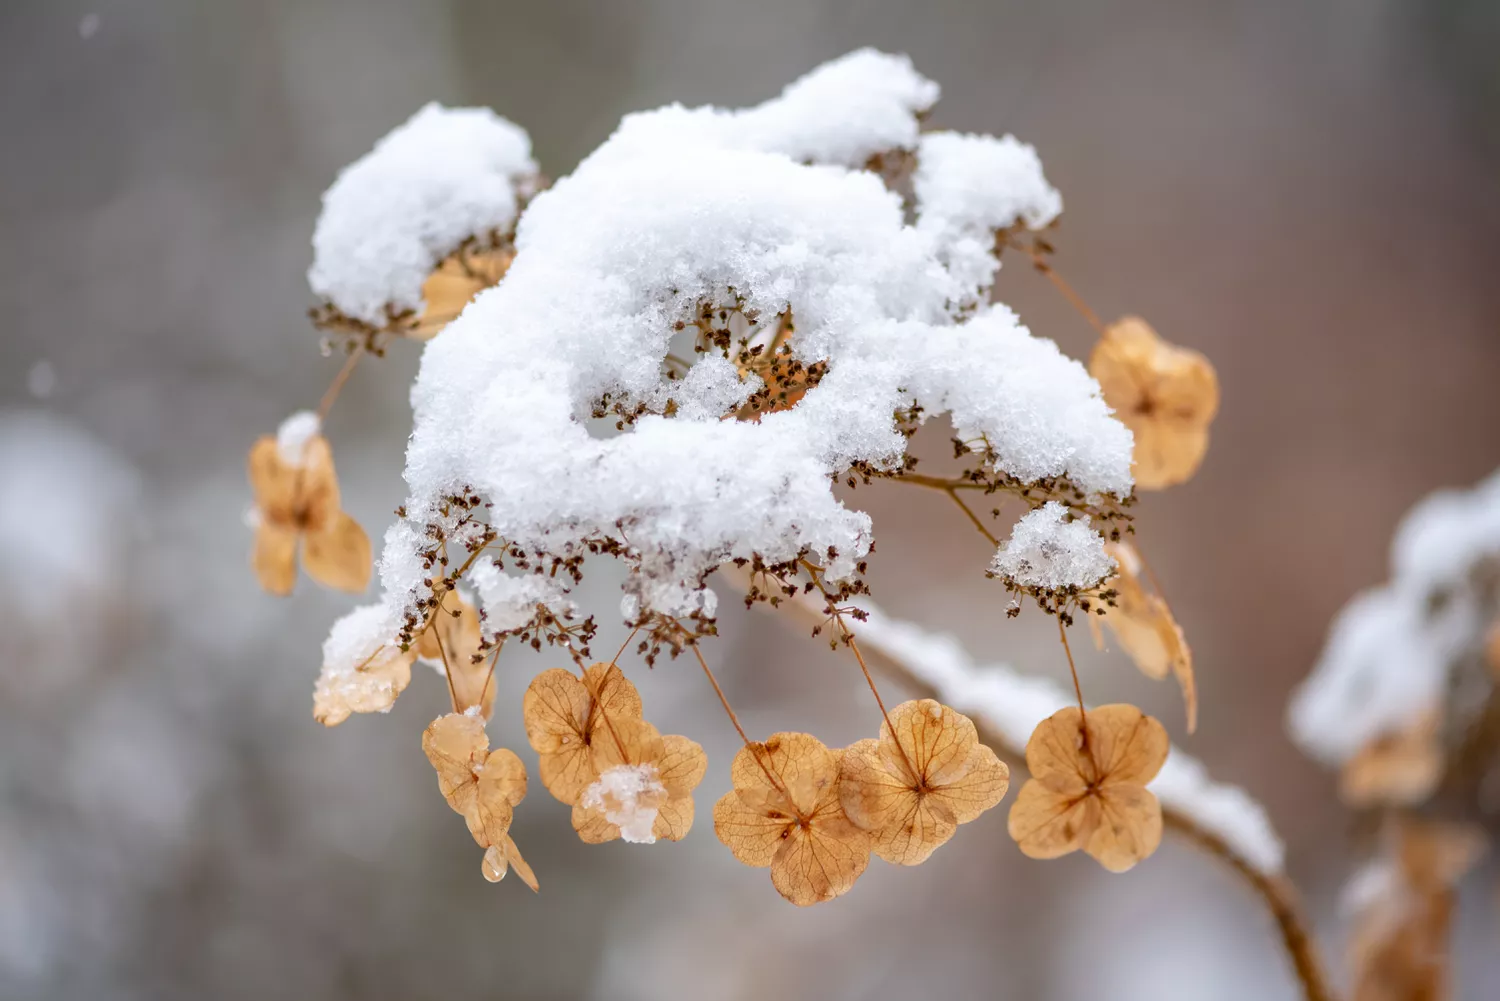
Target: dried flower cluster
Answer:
[[778, 314]]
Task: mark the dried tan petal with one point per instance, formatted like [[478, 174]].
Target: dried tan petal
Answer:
[[370, 688], [1165, 394], [273, 482], [1054, 754], [1492, 649], [1125, 744], [981, 787], [455, 642], [1397, 769], [1435, 855], [274, 558], [681, 765], [453, 284], [513, 856], [1143, 625], [1046, 824], [874, 797], [627, 742], [674, 819], [565, 725], [753, 835], [457, 746], [1128, 828], [932, 738], [820, 861], [339, 555], [500, 786]]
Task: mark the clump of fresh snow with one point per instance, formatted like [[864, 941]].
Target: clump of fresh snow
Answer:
[[446, 175], [1048, 552], [766, 208], [968, 187], [356, 637], [294, 434], [1391, 652], [1013, 704], [509, 600], [630, 797]]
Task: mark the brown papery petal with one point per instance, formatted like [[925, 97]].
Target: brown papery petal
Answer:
[[872, 795], [339, 556], [681, 765], [1129, 827], [453, 284], [567, 773], [1054, 754], [1046, 824], [1126, 744], [935, 740], [273, 482], [1165, 456], [674, 818], [805, 768], [981, 787], [819, 863], [513, 856], [274, 558], [626, 742], [612, 691], [317, 485], [916, 830], [370, 688], [554, 711], [752, 835], [456, 745]]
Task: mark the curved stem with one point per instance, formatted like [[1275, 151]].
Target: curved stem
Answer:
[[1275, 891], [332, 394]]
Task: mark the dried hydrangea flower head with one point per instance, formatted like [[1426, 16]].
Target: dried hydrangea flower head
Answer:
[[1088, 786], [1142, 623], [645, 786], [1165, 394], [455, 647], [926, 774], [481, 785], [785, 812], [1401, 768], [1403, 905], [297, 503], [569, 722]]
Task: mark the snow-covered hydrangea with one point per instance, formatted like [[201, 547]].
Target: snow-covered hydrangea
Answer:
[[558, 400], [630, 797], [294, 434], [1047, 552], [1392, 653], [445, 176]]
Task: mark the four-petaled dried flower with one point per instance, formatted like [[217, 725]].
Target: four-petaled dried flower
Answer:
[[912, 788], [454, 642], [1165, 394], [483, 786], [297, 500], [1088, 786], [645, 786], [784, 812], [566, 720], [1143, 625]]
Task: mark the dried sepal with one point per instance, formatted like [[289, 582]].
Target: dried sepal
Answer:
[[1166, 395], [566, 718], [297, 500], [456, 280], [454, 643], [1088, 787], [911, 788], [1403, 906], [371, 687], [644, 791], [483, 786], [1401, 768], [784, 812], [1143, 625]]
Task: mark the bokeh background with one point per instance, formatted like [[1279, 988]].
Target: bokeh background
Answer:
[[1309, 193]]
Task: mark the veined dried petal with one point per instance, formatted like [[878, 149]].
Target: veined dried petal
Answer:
[[566, 718], [1143, 625], [1397, 769], [1166, 395]]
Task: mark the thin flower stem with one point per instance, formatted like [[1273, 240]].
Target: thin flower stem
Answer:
[[1062, 634], [596, 704], [1045, 267], [447, 670], [326, 404], [728, 709], [1274, 891], [951, 492], [621, 652]]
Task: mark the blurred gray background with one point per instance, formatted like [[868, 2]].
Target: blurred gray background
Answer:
[[1308, 192]]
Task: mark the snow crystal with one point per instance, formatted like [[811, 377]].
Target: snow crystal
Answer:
[[645, 235], [1391, 651], [446, 175], [509, 602], [1045, 551], [294, 434], [967, 187], [1013, 704], [630, 796]]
